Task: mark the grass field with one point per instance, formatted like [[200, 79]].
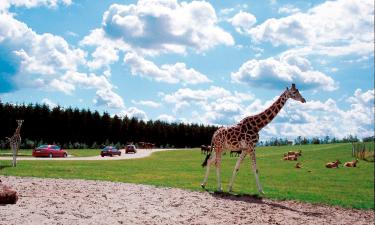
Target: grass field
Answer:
[[347, 187]]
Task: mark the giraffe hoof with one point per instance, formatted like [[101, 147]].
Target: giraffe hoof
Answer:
[[262, 192], [203, 186]]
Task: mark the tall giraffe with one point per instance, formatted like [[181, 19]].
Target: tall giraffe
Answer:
[[15, 142], [244, 136]]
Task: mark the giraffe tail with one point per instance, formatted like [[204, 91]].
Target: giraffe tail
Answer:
[[204, 164]]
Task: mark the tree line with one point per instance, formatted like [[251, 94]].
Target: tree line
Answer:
[[315, 140], [83, 128]]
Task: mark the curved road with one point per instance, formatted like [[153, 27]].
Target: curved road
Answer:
[[141, 153]]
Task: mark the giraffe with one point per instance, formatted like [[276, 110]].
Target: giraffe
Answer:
[[244, 137], [15, 142]]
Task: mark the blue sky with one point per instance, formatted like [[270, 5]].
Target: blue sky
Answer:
[[210, 62]]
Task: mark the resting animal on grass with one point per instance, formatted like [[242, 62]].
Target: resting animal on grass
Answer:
[[333, 164], [299, 153], [290, 157], [352, 163]]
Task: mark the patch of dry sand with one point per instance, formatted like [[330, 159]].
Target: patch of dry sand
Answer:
[[59, 201]]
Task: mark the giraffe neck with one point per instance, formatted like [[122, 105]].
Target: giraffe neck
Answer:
[[18, 130], [265, 117]]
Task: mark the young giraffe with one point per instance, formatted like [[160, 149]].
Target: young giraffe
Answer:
[[244, 136], [15, 142]]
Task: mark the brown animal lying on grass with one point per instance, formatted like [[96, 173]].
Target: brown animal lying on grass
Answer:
[[352, 163], [290, 157], [7, 196], [333, 164], [299, 153]]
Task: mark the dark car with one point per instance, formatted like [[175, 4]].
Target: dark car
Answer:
[[110, 151], [49, 151], [130, 148]]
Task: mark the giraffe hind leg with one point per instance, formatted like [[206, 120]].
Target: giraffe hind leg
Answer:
[[255, 170]]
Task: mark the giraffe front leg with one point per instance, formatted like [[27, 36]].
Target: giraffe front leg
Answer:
[[255, 170], [209, 162], [236, 168]]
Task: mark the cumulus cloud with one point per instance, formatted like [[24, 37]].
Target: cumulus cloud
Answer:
[[217, 103], [166, 118], [151, 104], [243, 22], [177, 73], [281, 72], [49, 102], [6, 4], [133, 112], [48, 62], [166, 26], [339, 27], [108, 98], [317, 118], [288, 9]]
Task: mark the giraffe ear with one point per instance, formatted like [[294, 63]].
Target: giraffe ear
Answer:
[[287, 88], [293, 86]]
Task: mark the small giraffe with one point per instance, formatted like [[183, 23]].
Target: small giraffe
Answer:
[[244, 136], [15, 142]]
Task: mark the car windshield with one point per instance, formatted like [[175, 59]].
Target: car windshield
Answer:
[[42, 146], [109, 148]]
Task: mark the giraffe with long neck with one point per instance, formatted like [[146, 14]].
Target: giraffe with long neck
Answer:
[[15, 142], [244, 137]]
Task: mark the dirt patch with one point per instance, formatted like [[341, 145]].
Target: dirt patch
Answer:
[[58, 201]]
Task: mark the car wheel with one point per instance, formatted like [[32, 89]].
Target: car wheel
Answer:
[[50, 155], [111, 155], [65, 155]]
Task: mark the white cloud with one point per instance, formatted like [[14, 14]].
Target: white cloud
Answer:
[[49, 102], [316, 118], [133, 112], [47, 62], [281, 72], [151, 104], [335, 28], [177, 73], [165, 26], [243, 22], [166, 118], [6, 4], [41, 57], [220, 106], [288, 9], [108, 98]]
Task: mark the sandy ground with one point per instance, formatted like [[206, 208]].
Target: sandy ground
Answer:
[[140, 154], [58, 201]]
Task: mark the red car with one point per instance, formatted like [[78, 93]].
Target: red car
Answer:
[[111, 151], [49, 151]]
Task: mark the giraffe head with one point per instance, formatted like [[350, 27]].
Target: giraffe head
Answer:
[[19, 122], [294, 94]]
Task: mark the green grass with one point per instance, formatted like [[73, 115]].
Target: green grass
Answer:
[[347, 187], [73, 152]]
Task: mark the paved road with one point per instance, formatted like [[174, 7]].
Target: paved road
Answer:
[[141, 153]]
